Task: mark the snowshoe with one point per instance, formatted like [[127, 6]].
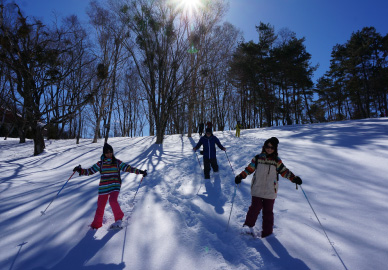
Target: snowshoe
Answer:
[[118, 225], [250, 231]]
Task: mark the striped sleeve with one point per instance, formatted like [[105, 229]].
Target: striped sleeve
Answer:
[[250, 168], [127, 168], [92, 170], [283, 171]]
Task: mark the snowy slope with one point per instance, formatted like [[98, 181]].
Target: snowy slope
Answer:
[[179, 221]]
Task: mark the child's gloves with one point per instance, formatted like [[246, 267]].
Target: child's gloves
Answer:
[[238, 179], [297, 180], [77, 169], [144, 173]]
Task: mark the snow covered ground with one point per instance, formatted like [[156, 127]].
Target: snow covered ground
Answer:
[[179, 221]]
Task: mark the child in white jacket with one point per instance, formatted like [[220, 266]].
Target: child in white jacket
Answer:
[[264, 187]]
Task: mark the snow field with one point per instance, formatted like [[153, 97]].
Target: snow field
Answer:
[[179, 221]]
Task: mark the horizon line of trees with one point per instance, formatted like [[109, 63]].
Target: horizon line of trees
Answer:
[[143, 64], [356, 85]]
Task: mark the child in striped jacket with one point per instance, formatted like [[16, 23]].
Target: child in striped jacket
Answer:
[[110, 184]]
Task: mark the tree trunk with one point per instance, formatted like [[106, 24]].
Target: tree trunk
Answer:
[[22, 134], [159, 135], [192, 97], [39, 145], [151, 120], [307, 105], [79, 127], [97, 129], [116, 56]]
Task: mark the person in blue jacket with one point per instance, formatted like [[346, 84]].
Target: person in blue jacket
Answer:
[[209, 142]]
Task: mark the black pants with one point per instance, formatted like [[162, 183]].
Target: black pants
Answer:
[[207, 162]]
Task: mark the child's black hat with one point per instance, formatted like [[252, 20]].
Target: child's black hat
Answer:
[[107, 148], [273, 140]]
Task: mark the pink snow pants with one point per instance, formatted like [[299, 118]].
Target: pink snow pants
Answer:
[[101, 202], [254, 210]]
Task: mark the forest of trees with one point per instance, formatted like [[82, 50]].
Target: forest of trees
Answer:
[[151, 67], [356, 86]]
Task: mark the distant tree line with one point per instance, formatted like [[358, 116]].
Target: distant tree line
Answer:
[[356, 86], [272, 79], [153, 65]]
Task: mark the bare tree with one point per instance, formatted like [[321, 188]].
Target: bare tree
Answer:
[[107, 53], [34, 53], [158, 48]]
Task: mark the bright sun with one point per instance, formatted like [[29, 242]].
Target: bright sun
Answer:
[[189, 6]]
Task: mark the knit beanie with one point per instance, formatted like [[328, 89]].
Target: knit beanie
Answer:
[[106, 148], [273, 140]]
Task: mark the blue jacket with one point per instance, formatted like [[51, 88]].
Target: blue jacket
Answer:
[[209, 146]]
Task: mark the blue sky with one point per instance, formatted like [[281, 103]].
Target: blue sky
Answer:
[[323, 23]]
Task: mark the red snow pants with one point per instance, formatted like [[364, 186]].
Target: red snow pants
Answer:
[[101, 202], [254, 210]]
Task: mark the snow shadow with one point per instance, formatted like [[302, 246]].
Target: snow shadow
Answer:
[[192, 142], [45, 160], [84, 251], [276, 256], [151, 158], [213, 194], [348, 134], [17, 254]]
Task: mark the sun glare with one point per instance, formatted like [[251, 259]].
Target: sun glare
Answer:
[[189, 6]]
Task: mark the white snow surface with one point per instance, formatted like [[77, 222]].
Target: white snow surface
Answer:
[[180, 222]]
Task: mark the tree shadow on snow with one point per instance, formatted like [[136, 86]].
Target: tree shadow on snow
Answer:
[[85, 250], [192, 142], [276, 256], [350, 134], [214, 195]]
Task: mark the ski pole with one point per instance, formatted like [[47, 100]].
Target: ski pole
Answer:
[[229, 163], [234, 195], [198, 160], [201, 169], [133, 200], [43, 212], [339, 257]]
